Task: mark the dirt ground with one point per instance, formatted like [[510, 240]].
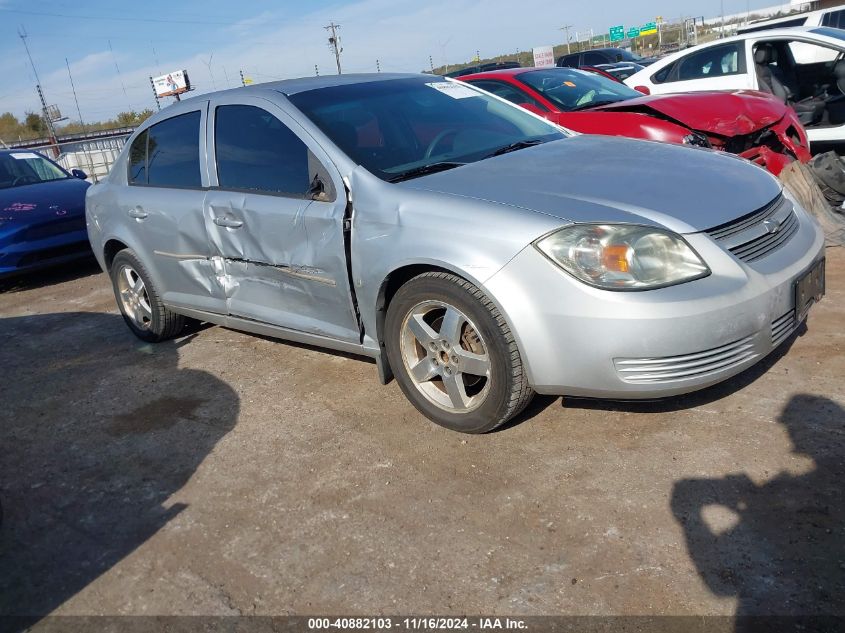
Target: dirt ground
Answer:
[[225, 473]]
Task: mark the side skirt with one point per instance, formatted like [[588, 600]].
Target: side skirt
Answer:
[[275, 331]]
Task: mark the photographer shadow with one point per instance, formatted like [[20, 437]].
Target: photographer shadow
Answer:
[[98, 431], [778, 547]]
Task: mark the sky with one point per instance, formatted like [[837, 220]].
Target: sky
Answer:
[[114, 47]]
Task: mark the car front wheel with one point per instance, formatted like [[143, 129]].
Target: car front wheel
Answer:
[[453, 354]]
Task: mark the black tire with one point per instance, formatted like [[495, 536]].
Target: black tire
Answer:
[[508, 392], [162, 324]]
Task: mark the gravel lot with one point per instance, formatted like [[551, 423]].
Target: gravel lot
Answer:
[[226, 473]]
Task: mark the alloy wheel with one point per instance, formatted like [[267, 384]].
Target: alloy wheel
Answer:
[[445, 356], [133, 297]]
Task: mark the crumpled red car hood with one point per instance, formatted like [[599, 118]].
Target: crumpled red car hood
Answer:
[[726, 113]]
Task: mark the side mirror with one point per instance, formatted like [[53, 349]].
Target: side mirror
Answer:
[[532, 108], [643, 89], [78, 173]]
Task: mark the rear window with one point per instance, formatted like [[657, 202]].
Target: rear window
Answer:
[[594, 59], [569, 61], [138, 160], [714, 61], [834, 19], [168, 153], [773, 25]]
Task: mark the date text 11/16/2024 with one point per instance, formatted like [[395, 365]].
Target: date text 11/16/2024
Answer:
[[415, 623]]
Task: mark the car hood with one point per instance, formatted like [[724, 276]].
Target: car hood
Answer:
[[29, 203], [726, 113], [610, 179]]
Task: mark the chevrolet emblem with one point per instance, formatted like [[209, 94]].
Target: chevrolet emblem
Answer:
[[771, 226]]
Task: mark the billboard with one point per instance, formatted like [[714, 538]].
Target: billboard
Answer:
[[172, 84], [544, 56]]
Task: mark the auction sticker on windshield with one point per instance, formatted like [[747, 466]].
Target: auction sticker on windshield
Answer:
[[25, 156], [454, 90]]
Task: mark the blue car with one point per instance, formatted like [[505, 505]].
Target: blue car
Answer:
[[42, 213]]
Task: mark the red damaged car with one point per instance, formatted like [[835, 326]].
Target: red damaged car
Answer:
[[746, 122]]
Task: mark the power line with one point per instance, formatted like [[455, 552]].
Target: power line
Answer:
[[117, 68], [115, 19]]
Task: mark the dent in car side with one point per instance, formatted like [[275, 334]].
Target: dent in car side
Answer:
[[404, 227]]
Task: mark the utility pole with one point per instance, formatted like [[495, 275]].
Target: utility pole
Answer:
[[334, 43], [47, 120], [566, 28]]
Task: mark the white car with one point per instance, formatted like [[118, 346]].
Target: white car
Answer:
[[773, 61], [832, 16]]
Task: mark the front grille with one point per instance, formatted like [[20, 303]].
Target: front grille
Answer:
[[758, 234], [671, 369], [782, 327]]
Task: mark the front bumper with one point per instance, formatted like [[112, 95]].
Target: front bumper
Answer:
[[581, 341]]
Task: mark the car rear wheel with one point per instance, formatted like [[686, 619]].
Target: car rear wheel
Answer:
[[139, 300], [453, 355]]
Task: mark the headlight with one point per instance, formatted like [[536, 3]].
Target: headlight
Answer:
[[623, 257]]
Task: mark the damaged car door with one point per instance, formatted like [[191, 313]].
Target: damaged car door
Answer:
[[275, 219], [164, 203]]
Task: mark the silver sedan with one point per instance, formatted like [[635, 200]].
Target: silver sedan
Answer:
[[474, 250]]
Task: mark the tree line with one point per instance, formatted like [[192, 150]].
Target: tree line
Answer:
[[33, 125]]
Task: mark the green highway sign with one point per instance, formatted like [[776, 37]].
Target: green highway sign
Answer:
[[633, 32], [617, 33], [648, 29]]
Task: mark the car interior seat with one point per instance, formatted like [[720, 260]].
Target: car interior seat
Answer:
[[835, 103], [769, 80]]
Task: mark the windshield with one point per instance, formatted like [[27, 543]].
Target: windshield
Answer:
[[571, 89], [402, 128], [27, 168], [628, 56]]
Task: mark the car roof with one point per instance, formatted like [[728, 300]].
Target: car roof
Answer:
[[304, 84], [511, 72], [768, 33], [814, 31], [500, 72], [19, 150]]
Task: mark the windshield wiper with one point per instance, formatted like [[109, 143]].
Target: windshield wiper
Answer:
[[515, 146], [423, 170], [595, 104]]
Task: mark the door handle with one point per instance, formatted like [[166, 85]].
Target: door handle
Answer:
[[229, 223], [138, 213]]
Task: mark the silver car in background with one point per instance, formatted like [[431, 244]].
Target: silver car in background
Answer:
[[474, 250]]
